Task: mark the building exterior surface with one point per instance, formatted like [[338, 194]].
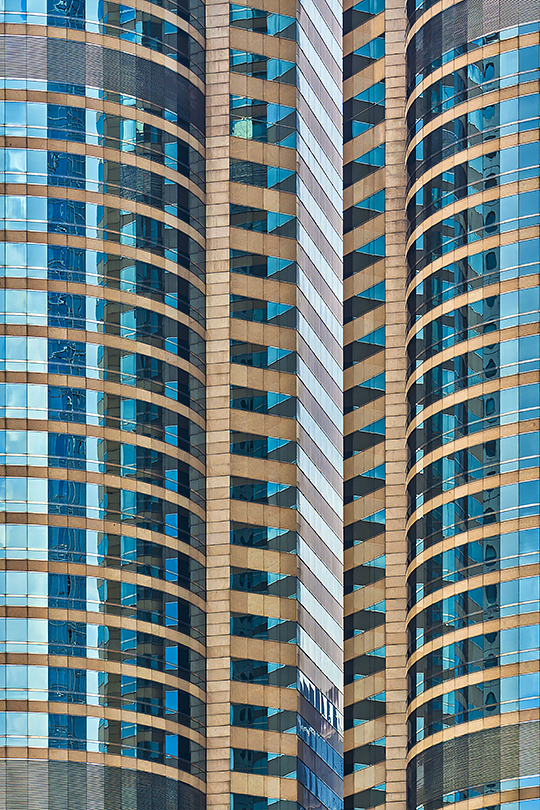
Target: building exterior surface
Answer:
[[441, 264], [473, 264], [269, 403], [274, 406], [171, 405], [103, 409], [374, 404]]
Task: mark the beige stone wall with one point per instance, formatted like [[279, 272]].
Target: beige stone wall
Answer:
[[395, 362], [368, 540], [217, 403]]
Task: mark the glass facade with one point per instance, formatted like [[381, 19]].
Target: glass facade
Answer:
[[269, 405], [364, 313], [102, 358], [454, 669], [108, 359], [472, 523]]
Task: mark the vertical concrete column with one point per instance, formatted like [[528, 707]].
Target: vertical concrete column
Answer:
[[217, 403], [396, 502]]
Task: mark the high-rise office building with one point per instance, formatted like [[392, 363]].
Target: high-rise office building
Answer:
[[473, 354], [171, 405], [441, 403], [185, 229], [103, 406], [274, 406]]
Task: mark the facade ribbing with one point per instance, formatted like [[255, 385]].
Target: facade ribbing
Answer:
[[472, 347], [171, 406], [269, 405], [103, 406], [441, 265]]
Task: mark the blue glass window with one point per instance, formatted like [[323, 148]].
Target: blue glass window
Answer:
[[264, 492], [362, 57], [66, 311], [363, 257], [263, 22], [252, 264], [261, 311], [67, 498], [257, 356], [263, 627], [263, 176], [364, 111], [263, 121], [67, 685], [263, 67], [66, 123], [67, 638], [67, 544], [67, 451], [67, 357], [66, 216], [67, 592], [363, 166], [247, 534], [67, 731], [361, 213], [360, 13], [255, 401], [67, 404], [261, 221]]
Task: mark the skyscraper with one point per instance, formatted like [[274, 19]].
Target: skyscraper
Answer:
[[172, 406], [473, 345], [274, 406], [270, 358], [103, 406], [441, 356]]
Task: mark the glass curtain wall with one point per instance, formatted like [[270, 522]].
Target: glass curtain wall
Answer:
[[102, 407], [473, 354]]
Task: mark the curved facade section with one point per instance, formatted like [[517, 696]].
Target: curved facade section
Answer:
[[102, 406], [473, 359]]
